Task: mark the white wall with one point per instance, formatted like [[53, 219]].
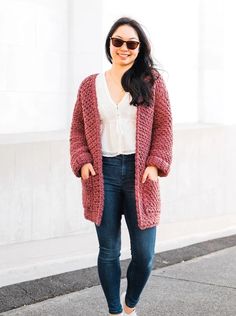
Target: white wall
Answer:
[[217, 65], [46, 48], [85, 46], [211, 61], [228, 82], [33, 65]]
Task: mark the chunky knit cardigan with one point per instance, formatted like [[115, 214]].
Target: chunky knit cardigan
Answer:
[[154, 140]]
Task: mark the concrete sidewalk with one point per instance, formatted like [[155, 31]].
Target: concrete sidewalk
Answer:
[[203, 286]]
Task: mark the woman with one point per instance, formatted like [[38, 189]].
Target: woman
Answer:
[[120, 142]]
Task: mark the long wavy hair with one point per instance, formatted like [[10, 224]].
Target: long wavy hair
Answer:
[[139, 79]]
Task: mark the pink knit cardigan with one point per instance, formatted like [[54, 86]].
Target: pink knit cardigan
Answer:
[[154, 142]]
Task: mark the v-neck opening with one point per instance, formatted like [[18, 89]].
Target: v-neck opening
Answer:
[[108, 92]]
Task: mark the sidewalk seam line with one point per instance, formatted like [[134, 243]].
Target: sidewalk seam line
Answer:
[[193, 281]]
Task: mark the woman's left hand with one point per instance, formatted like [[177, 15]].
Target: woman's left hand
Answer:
[[150, 172]]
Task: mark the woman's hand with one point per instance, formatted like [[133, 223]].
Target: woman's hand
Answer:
[[150, 172], [85, 170]]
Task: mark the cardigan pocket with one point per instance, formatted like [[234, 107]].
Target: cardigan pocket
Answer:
[[87, 191], [151, 197]]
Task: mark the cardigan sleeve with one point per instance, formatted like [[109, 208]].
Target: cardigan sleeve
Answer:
[[79, 152], [160, 154]]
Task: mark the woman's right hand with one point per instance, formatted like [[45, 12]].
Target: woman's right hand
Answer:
[[86, 170]]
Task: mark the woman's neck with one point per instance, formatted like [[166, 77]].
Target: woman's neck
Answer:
[[117, 72]]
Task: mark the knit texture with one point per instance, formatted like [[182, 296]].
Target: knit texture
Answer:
[[154, 142]]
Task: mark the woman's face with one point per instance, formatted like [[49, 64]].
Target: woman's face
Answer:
[[122, 55]]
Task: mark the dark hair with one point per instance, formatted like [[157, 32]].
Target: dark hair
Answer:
[[139, 79]]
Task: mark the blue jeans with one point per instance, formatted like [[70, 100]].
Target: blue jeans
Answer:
[[119, 190]]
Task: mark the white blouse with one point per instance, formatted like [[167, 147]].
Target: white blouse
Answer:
[[117, 121]]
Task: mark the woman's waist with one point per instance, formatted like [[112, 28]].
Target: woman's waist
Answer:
[[120, 157]]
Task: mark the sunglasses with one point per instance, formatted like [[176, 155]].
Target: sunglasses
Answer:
[[117, 42]]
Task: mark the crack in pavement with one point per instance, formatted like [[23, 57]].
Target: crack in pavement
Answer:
[[193, 281]]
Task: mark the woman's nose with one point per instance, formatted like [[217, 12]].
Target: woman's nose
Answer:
[[124, 47]]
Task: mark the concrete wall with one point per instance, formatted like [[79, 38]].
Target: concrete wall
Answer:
[[42, 228]]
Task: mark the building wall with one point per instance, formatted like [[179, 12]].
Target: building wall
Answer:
[[42, 228], [34, 76], [46, 48]]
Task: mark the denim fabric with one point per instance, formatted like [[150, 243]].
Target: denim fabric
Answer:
[[119, 199]]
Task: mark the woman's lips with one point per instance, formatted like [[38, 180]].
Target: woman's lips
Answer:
[[123, 56]]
